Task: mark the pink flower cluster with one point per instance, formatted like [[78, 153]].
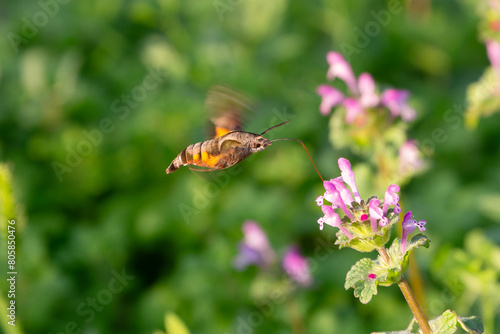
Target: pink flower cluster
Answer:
[[363, 93], [340, 196], [351, 204], [256, 249]]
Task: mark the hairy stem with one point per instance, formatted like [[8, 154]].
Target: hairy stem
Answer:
[[410, 298]]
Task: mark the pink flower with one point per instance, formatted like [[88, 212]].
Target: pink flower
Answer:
[[493, 50], [255, 248], [357, 211], [375, 213], [330, 97], [348, 177], [410, 158], [353, 109], [340, 68], [409, 225], [396, 101], [332, 218], [366, 85], [391, 198], [333, 196], [296, 266], [344, 192], [371, 277]]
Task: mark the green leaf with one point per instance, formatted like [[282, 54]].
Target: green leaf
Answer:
[[396, 265], [358, 272], [174, 324], [471, 324], [417, 241], [446, 323], [365, 290], [357, 278], [395, 255]]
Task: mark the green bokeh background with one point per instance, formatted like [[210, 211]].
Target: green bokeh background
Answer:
[[117, 210]]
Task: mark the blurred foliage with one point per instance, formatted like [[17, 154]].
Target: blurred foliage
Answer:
[[173, 325], [472, 275], [9, 216], [114, 91]]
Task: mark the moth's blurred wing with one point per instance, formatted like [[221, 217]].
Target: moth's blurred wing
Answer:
[[225, 107]]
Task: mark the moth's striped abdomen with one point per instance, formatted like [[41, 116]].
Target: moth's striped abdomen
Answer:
[[203, 154]]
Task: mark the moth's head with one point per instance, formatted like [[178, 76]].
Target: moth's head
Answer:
[[259, 144]]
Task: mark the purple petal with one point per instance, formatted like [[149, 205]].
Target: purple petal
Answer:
[[410, 158], [332, 218], [408, 114], [340, 68], [368, 97], [333, 195], [247, 256], [421, 225], [353, 109], [383, 221], [256, 239], [348, 177], [375, 213], [395, 101], [344, 192], [374, 209], [296, 266], [493, 50], [330, 97], [391, 198]]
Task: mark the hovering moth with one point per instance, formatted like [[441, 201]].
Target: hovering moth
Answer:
[[231, 144]]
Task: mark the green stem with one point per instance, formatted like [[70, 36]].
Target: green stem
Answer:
[[295, 317], [410, 298]]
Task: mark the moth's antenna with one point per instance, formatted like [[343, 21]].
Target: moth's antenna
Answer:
[[272, 127], [304, 146]]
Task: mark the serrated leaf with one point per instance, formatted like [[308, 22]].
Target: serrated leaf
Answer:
[[365, 290], [446, 323], [174, 324], [358, 272], [357, 278]]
